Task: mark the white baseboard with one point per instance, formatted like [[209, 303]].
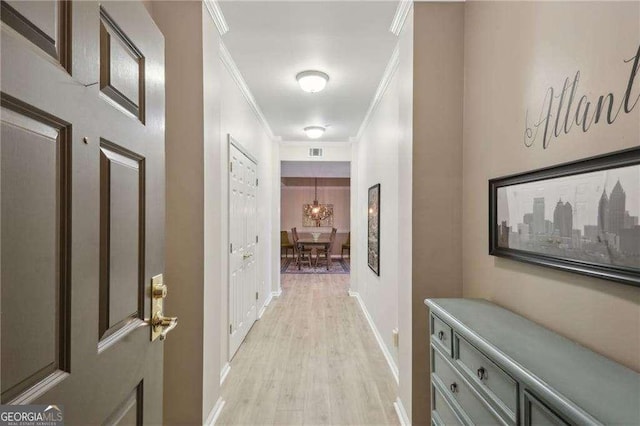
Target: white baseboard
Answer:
[[215, 412], [264, 307], [267, 302], [269, 299], [385, 351], [224, 372], [401, 412], [261, 311]]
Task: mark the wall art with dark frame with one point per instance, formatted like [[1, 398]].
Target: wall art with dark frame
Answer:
[[580, 216], [373, 229]]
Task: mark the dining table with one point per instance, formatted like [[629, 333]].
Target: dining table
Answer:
[[322, 241]]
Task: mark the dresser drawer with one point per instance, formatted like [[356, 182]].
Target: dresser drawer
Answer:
[[536, 413], [441, 334], [443, 414], [487, 376], [471, 404]]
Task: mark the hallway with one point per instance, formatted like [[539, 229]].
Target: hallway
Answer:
[[311, 359]]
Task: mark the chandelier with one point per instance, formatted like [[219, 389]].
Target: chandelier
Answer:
[[316, 212]]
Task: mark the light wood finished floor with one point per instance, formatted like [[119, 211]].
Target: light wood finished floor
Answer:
[[311, 359]]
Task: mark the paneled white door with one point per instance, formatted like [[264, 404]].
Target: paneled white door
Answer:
[[243, 239]]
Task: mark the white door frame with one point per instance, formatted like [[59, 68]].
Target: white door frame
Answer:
[[231, 142]]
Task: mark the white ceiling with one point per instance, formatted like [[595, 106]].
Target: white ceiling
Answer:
[[271, 41]]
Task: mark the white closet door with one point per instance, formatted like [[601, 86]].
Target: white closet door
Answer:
[[243, 240]]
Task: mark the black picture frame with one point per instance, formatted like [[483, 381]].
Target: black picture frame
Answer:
[[625, 274], [373, 229]]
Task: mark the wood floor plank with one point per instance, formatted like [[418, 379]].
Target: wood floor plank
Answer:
[[312, 359], [288, 417]]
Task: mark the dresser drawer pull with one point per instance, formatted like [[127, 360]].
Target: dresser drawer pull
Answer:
[[482, 374], [441, 335], [453, 387]]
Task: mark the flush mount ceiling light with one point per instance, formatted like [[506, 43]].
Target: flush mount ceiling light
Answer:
[[314, 132], [312, 81]]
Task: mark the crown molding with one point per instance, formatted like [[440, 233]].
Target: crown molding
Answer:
[[216, 14], [404, 6], [389, 71], [231, 66]]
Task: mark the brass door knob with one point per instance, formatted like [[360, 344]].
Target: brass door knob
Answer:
[[163, 325]]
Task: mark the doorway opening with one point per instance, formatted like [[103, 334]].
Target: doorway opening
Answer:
[[315, 217]]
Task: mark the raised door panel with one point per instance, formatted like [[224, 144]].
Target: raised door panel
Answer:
[[122, 68], [236, 264], [125, 70], [251, 243], [47, 24], [34, 254], [129, 412], [42, 15], [121, 239]]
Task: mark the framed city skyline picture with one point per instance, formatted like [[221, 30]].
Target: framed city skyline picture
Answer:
[[373, 229], [580, 216]]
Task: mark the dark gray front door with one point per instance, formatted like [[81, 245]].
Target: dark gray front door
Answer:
[[81, 208]]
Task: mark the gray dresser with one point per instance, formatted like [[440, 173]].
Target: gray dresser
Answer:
[[491, 366]]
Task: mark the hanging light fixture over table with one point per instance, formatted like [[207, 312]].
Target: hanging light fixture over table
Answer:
[[317, 212]]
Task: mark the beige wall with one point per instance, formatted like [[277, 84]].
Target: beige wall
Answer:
[[294, 197], [508, 54], [184, 276], [405, 212], [437, 175], [214, 254], [513, 52], [204, 104]]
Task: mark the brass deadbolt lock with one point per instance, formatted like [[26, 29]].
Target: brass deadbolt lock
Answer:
[[159, 291]]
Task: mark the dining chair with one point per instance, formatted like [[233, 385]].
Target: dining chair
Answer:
[[301, 254], [285, 244], [325, 253], [346, 246], [294, 231]]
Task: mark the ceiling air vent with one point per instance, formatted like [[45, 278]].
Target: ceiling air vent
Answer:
[[315, 152]]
